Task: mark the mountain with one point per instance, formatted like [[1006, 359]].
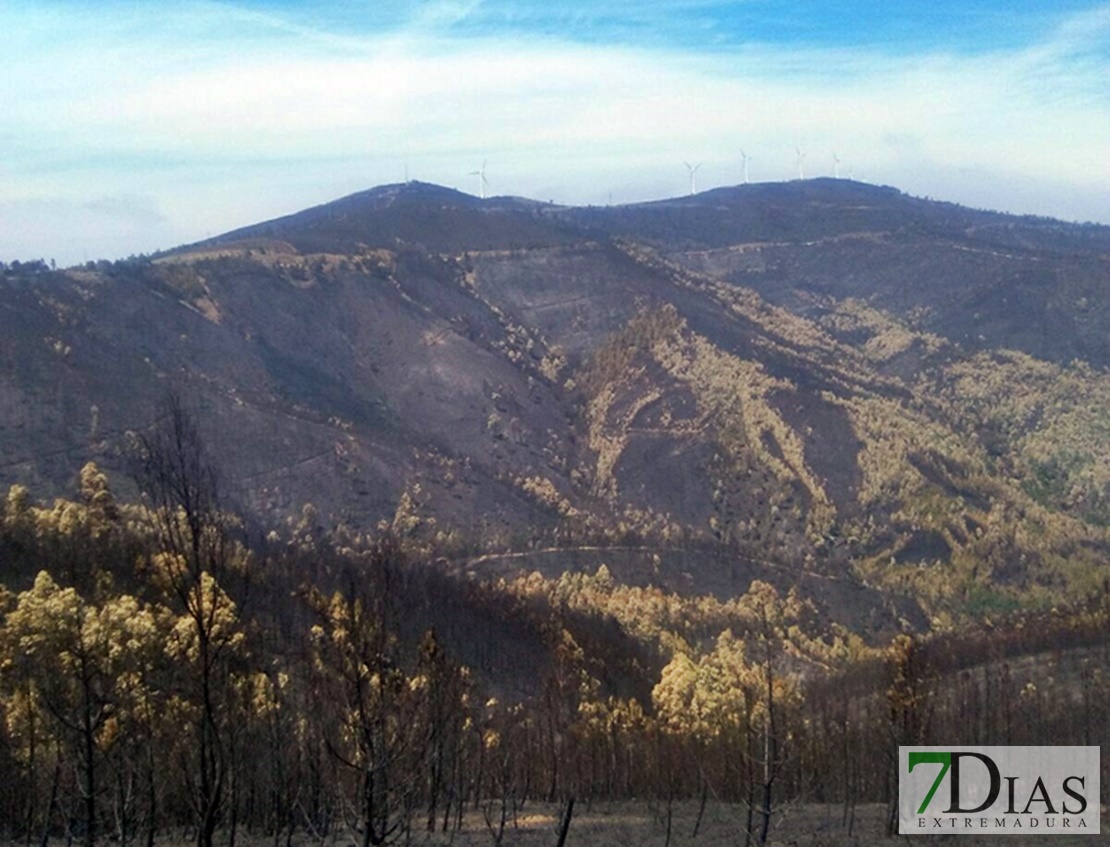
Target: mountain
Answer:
[[896, 403]]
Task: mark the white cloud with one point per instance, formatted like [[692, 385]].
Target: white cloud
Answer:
[[211, 108]]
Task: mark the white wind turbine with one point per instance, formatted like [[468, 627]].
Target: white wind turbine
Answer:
[[693, 169], [801, 160], [836, 165], [746, 158], [482, 181]]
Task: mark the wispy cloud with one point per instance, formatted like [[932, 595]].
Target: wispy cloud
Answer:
[[230, 113]]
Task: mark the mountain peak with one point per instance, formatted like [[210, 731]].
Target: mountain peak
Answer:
[[438, 218], [413, 191]]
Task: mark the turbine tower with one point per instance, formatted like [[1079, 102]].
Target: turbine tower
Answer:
[[801, 160], [693, 169], [746, 158], [836, 165], [482, 181]]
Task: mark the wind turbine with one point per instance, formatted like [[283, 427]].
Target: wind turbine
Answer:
[[693, 169], [836, 165], [746, 158], [482, 181], [801, 160]]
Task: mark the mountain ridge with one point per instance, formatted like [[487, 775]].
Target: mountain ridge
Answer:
[[824, 376]]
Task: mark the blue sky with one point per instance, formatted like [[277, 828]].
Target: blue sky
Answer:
[[133, 126]]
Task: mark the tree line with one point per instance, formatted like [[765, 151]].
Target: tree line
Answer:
[[164, 669]]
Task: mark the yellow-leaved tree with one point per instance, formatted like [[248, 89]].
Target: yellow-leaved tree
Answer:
[[196, 555], [68, 663], [772, 637], [370, 729]]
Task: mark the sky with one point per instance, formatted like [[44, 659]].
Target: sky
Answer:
[[129, 127]]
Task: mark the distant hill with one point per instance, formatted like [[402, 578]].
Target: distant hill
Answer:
[[819, 382]]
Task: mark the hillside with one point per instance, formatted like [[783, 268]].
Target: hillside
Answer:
[[822, 383]]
